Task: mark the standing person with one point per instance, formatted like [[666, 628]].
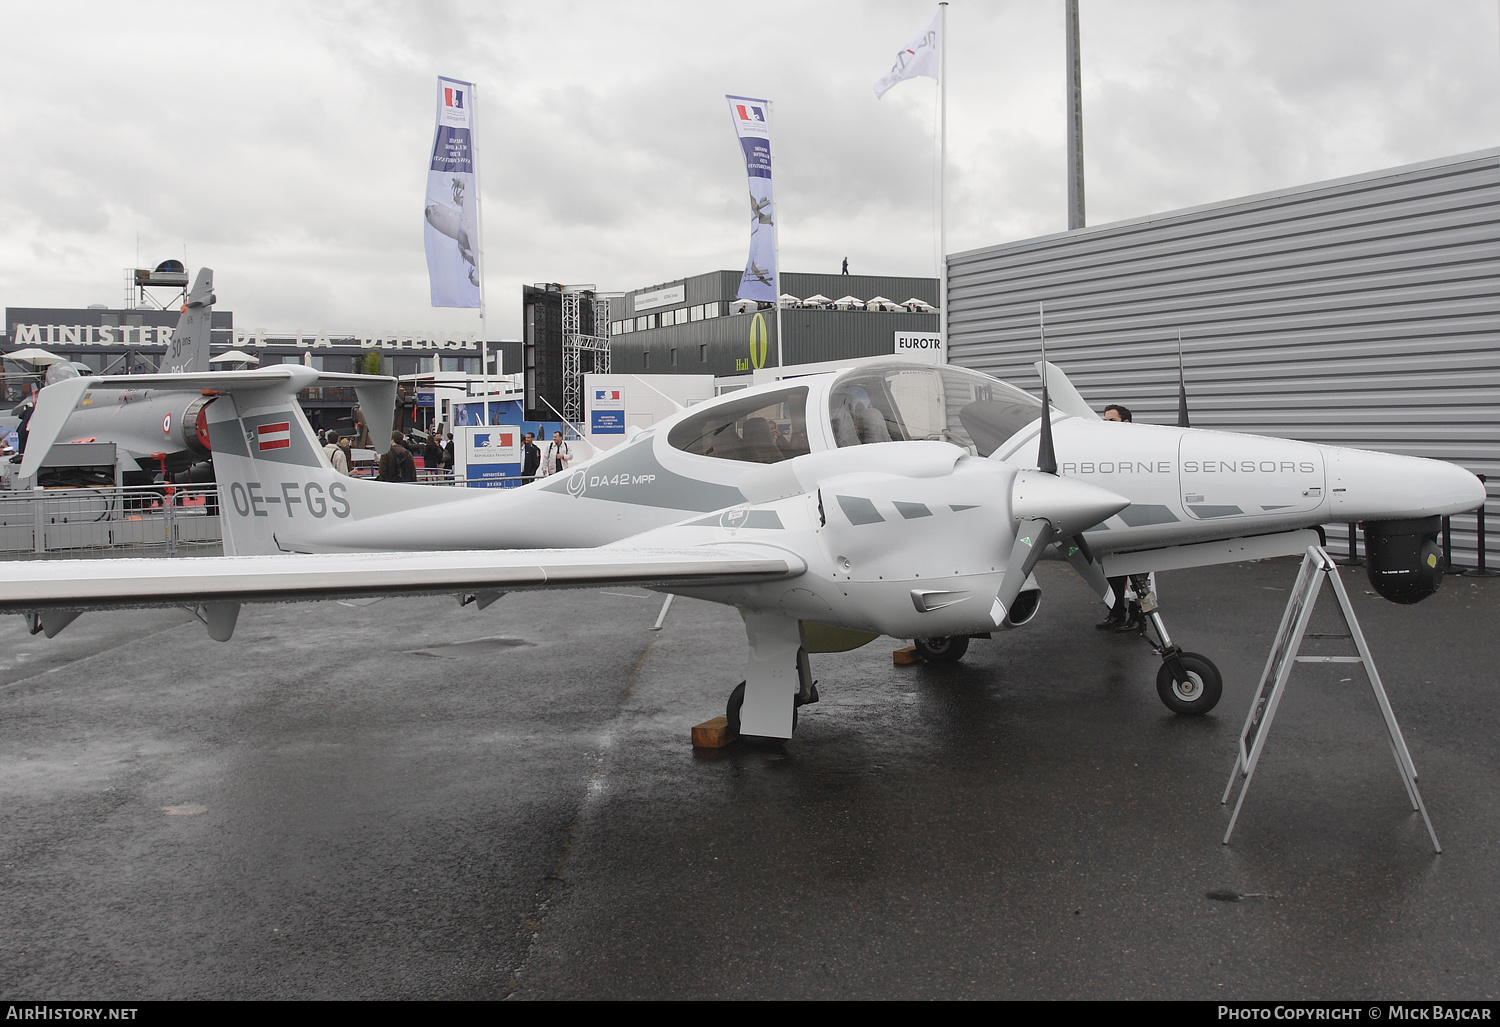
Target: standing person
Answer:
[[1125, 611], [396, 464], [432, 455], [23, 424], [558, 456], [448, 453], [531, 458], [846, 266], [335, 452]]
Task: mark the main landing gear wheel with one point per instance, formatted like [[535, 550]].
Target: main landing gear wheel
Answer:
[[1199, 690], [942, 650], [736, 701]]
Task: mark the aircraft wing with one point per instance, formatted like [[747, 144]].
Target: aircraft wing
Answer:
[[75, 585]]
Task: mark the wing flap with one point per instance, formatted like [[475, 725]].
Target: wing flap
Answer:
[[126, 583]]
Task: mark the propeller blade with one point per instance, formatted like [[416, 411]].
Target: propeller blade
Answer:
[[1032, 536], [1182, 411], [1046, 455], [1048, 507], [1088, 568]]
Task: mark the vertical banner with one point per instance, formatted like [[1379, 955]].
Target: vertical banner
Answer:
[[754, 130], [451, 234]]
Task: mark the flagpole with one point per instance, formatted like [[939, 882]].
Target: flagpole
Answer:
[[484, 334], [775, 230], [942, 178]]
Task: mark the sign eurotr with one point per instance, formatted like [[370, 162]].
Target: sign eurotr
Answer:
[[925, 346]]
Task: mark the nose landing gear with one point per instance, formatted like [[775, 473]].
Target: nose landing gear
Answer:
[[1188, 683]]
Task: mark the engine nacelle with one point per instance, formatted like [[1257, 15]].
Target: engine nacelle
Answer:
[[194, 426], [1403, 558]]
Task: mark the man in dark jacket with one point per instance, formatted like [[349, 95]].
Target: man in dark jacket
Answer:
[[397, 464], [531, 458]]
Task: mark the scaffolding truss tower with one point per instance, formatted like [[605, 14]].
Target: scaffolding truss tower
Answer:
[[576, 344]]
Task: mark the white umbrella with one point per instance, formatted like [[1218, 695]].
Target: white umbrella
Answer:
[[34, 356], [849, 303], [916, 304], [881, 303], [817, 300], [234, 356], [788, 300], [742, 306]]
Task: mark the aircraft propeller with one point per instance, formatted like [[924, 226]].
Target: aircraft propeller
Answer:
[[1048, 507]]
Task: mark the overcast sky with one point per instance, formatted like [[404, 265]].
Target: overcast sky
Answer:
[[286, 145]]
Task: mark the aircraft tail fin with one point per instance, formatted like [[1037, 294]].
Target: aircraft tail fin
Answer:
[[277, 491], [188, 352]]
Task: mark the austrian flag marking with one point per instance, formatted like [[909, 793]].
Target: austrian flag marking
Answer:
[[274, 436]]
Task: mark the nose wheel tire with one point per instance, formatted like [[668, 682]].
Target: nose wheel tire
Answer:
[[1199, 691], [942, 650]]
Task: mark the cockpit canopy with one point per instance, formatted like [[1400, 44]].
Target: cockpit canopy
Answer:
[[905, 402], [893, 402]]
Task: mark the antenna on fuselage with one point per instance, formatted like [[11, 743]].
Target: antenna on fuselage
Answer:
[[1182, 414], [1046, 456]]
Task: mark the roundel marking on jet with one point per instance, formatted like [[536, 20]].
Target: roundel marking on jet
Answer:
[[166, 425], [758, 341]]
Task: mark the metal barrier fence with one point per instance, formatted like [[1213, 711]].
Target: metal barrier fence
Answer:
[[159, 518], [59, 520]]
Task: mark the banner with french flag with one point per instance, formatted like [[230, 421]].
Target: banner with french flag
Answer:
[[451, 232], [752, 124], [607, 412]]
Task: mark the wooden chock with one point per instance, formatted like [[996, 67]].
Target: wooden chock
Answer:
[[902, 657], [713, 734]]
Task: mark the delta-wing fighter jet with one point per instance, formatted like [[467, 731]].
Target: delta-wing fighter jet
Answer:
[[151, 425], [893, 498]]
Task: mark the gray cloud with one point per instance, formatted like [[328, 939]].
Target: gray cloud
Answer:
[[286, 145]]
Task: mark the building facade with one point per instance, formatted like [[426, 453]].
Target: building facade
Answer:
[[692, 325], [132, 341], [1360, 312]]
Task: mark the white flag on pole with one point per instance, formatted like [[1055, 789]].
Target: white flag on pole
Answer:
[[919, 57]]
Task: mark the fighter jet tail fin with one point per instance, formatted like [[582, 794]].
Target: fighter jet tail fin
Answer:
[[188, 352], [277, 490]]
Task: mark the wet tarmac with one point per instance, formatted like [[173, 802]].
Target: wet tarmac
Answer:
[[412, 800]]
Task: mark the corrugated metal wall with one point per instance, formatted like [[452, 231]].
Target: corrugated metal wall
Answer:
[[1361, 312]]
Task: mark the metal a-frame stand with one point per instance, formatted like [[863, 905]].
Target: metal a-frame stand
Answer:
[[1317, 568]]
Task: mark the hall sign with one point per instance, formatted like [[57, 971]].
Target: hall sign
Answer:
[[161, 336], [91, 335]]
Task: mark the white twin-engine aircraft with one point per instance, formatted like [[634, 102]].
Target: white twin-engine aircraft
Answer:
[[892, 498]]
